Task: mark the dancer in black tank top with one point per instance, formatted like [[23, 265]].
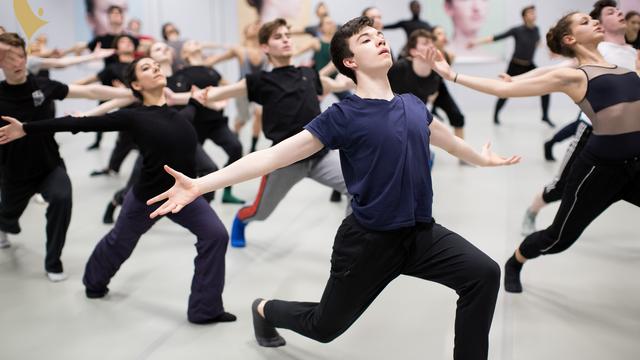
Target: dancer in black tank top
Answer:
[[608, 169]]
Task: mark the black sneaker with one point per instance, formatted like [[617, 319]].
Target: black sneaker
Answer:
[[266, 334]]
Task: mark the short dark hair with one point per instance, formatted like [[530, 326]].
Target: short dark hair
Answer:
[[527, 8], [130, 76], [164, 30], [557, 32], [366, 10], [114, 44], [269, 28], [13, 39], [340, 44], [628, 16], [89, 5], [415, 35], [256, 4], [596, 13], [112, 8]]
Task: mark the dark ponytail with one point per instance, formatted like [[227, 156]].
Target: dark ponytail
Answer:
[[130, 76], [559, 31]]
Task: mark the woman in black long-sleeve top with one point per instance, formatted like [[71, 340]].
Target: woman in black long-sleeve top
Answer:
[[164, 135]]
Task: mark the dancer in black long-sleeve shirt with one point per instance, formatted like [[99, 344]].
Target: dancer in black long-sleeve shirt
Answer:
[[527, 38], [164, 136]]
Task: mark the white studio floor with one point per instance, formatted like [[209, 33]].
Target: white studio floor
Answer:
[[582, 304]]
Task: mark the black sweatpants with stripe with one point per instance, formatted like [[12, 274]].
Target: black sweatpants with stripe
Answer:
[[592, 187], [364, 262], [553, 191]]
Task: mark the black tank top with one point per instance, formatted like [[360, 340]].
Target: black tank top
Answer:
[[612, 102]]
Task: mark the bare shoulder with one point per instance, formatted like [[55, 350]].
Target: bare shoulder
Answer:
[[569, 75]]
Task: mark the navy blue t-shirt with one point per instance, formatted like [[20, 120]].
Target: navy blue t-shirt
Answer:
[[384, 154]]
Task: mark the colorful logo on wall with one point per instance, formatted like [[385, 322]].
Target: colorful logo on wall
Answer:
[[28, 20]]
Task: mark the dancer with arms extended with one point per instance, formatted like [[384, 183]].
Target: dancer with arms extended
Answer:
[[163, 135], [383, 140], [608, 168]]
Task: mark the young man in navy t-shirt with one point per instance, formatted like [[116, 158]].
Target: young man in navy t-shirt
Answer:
[[383, 140]]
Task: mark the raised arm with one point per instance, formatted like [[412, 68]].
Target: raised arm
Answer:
[[328, 69], [256, 164], [110, 122], [313, 44], [480, 41], [218, 58], [444, 139], [218, 93], [97, 92], [568, 63], [569, 81], [214, 96], [59, 63], [108, 106], [339, 84]]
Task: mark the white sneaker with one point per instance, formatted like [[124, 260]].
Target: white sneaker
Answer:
[[57, 277], [528, 223], [38, 199], [4, 240]]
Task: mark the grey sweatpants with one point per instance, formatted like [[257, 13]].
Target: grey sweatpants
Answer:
[[273, 187]]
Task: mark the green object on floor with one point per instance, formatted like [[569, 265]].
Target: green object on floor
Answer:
[[228, 198]]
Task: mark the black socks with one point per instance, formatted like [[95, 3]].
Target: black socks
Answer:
[[266, 334], [512, 270]]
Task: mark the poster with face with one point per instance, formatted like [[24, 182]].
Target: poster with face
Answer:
[[92, 18], [296, 12], [253, 13], [464, 20]]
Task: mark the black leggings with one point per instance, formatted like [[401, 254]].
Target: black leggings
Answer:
[[445, 102], [517, 69], [124, 145], [218, 131], [363, 262], [591, 188]]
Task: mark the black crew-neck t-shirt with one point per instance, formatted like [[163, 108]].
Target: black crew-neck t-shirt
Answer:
[[106, 42], [200, 76], [526, 39], [404, 80], [289, 96], [163, 134], [114, 71], [32, 101]]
